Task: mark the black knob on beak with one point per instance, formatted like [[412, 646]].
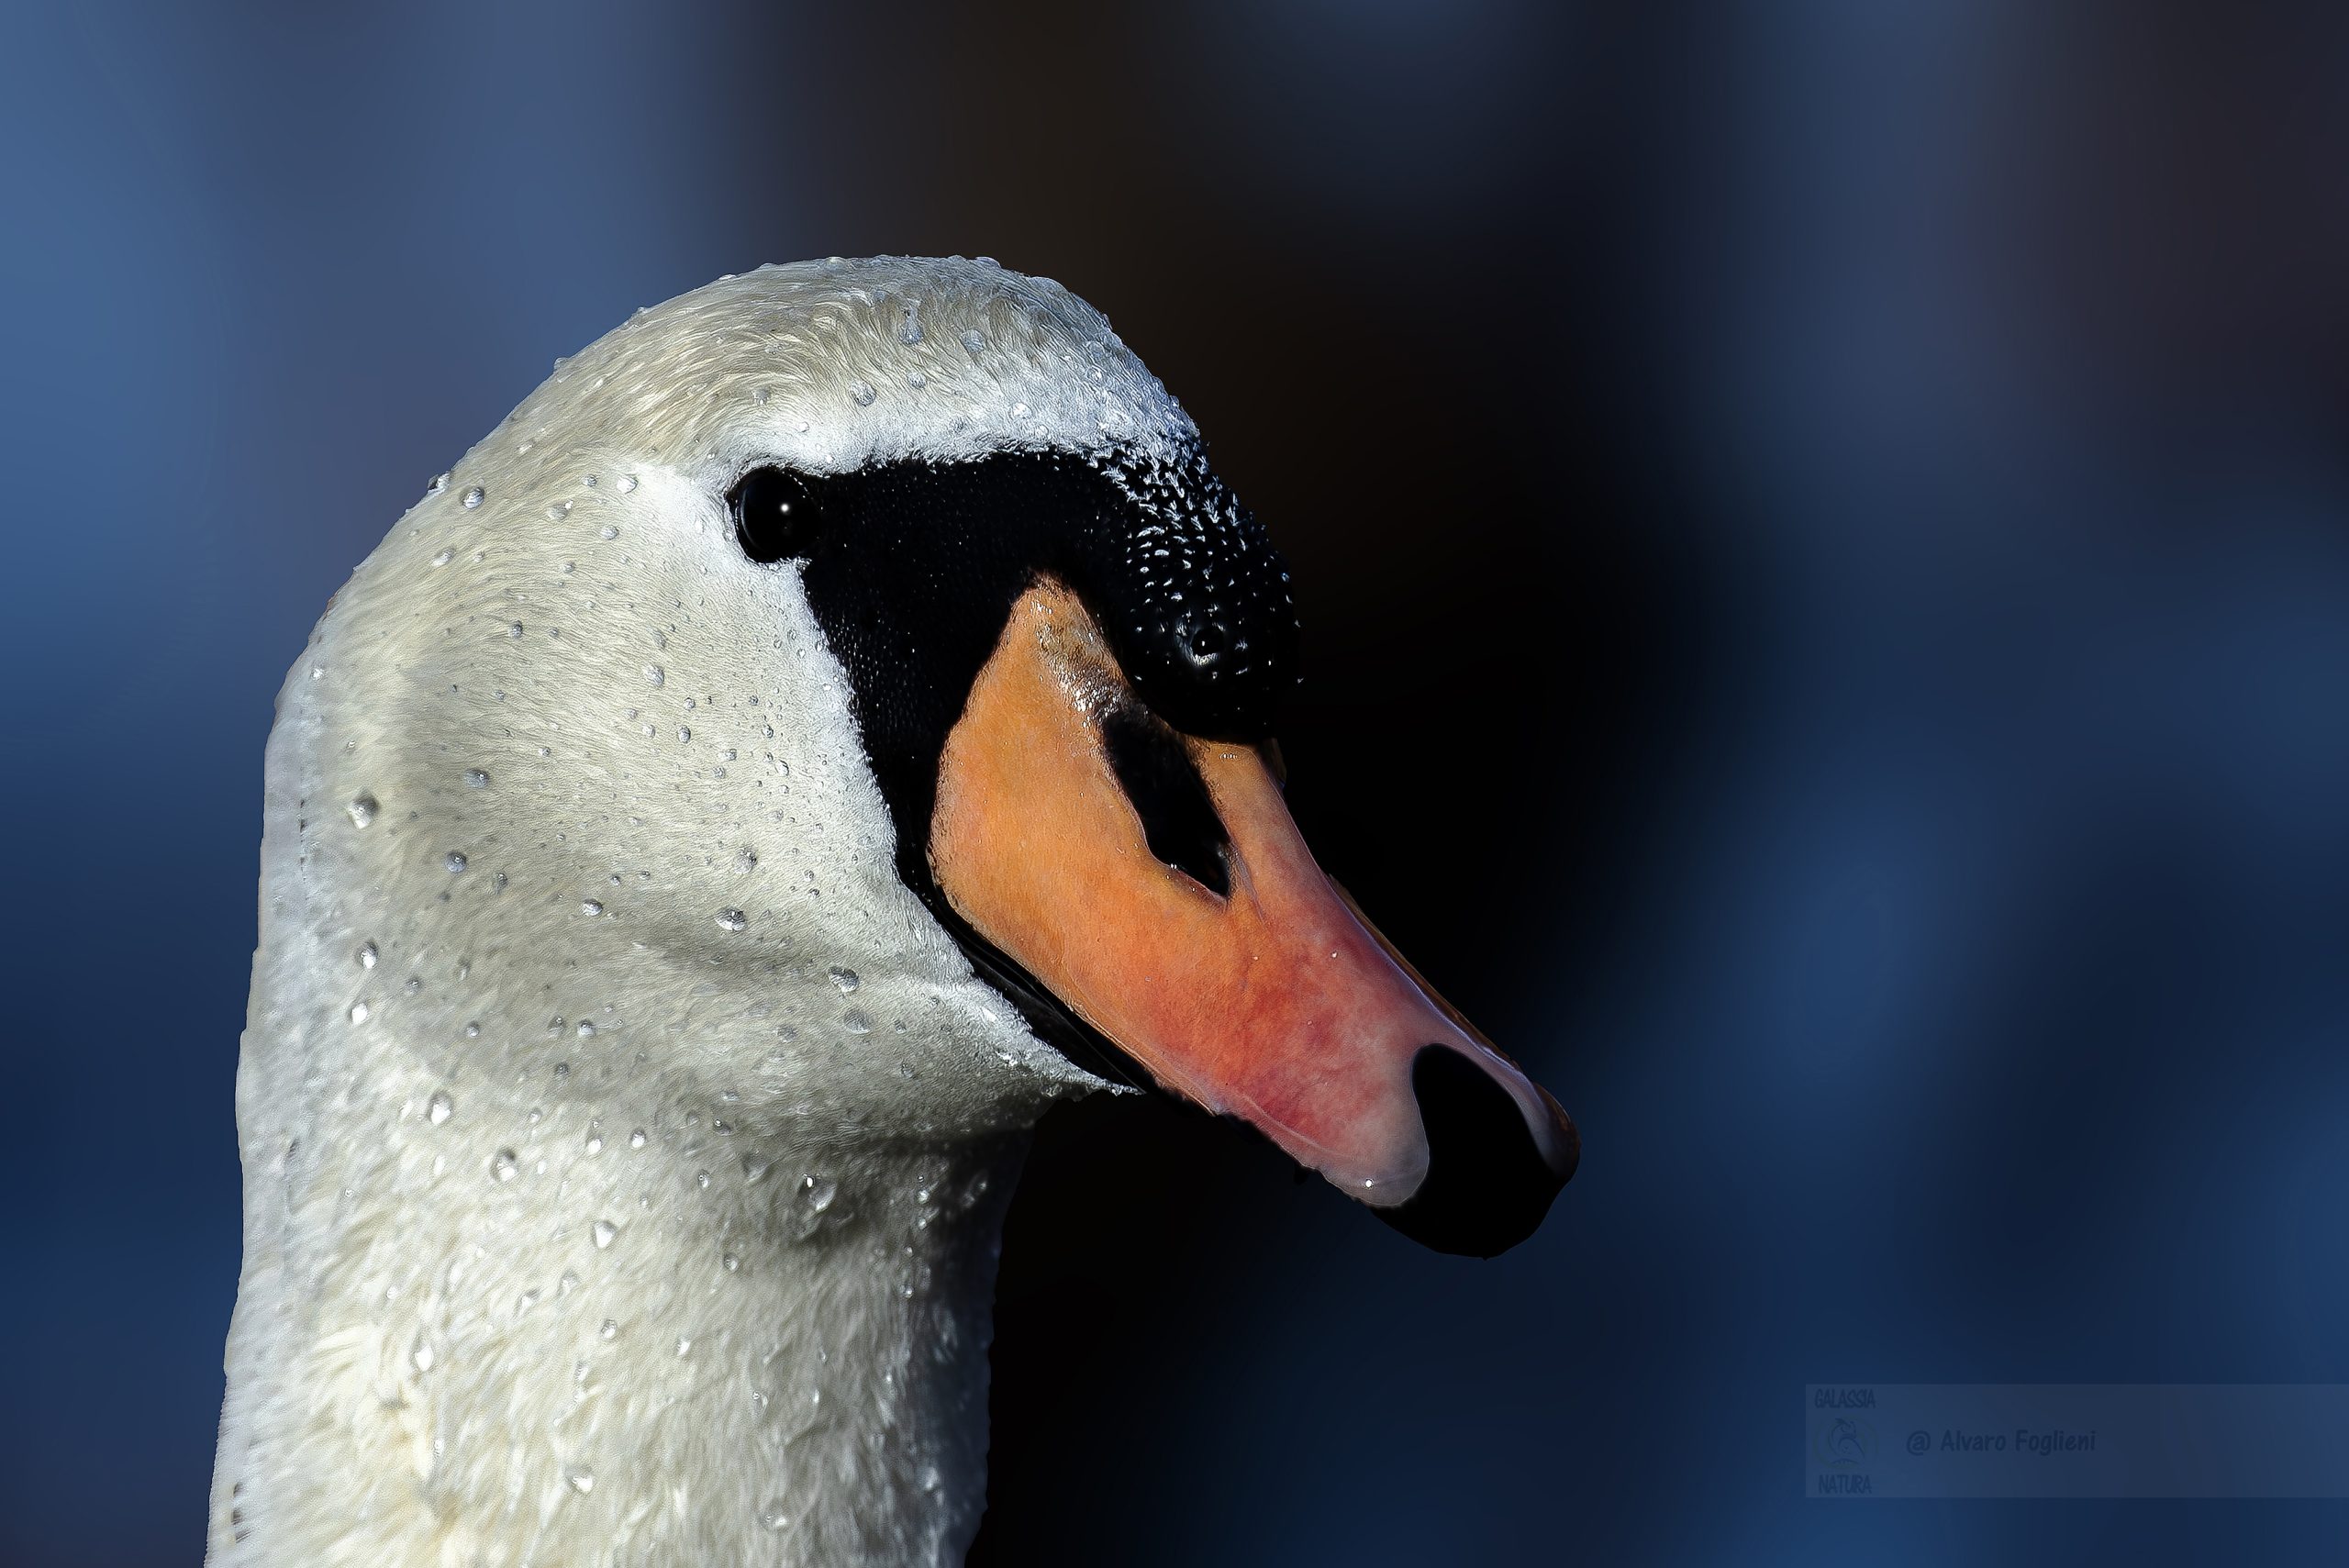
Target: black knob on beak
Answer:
[[1487, 1185]]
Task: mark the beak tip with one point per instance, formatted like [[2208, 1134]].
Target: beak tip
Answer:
[[1490, 1180]]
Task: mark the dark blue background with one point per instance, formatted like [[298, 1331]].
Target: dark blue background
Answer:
[[1824, 539]]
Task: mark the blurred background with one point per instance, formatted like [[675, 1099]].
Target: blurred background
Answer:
[[1823, 533]]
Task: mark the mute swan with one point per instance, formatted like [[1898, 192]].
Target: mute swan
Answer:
[[826, 723]]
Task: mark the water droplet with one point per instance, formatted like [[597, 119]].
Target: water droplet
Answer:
[[476, 779], [628, 483], [514, 630], [732, 1262], [733, 920], [438, 1108], [609, 1330], [636, 1139], [454, 860], [603, 1232], [362, 810], [862, 391], [856, 1021], [583, 1481], [746, 863], [844, 978], [973, 341], [916, 380], [504, 1165], [773, 1515], [445, 557], [683, 735], [608, 531], [421, 1356], [655, 674], [359, 1012], [366, 955], [439, 482], [818, 1192], [473, 498], [595, 1143], [590, 907]]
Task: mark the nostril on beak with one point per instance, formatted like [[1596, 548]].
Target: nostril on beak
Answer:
[[1487, 1185]]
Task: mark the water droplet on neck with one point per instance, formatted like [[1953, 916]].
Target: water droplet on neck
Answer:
[[366, 955], [455, 861], [503, 1166], [362, 810], [583, 1481], [473, 498], [438, 1108], [476, 779], [818, 1192], [604, 1232], [862, 391], [733, 920], [845, 978], [774, 1517]]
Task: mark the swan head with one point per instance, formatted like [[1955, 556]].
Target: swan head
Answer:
[[838, 707]]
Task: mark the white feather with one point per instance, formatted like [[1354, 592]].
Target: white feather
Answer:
[[625, 1147]]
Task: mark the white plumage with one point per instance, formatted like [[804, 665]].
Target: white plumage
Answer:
[[625, 1146]]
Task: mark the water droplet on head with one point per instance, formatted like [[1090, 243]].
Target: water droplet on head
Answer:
[[421, 1356], [636, 1139], [504, 1165], [818, 1192], [844, 978], [366, 955], [473, 498], [438, 1108], [476, 779], [862, 391], [583, 1481], [772, 1516], [359, 1012], [603, 1232], [590, 907], [733, 920], [655, 673], [856, 1021], [454, 860], [362, 810]]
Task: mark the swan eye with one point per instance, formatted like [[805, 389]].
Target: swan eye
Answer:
[[1178, 821], [775, 515]]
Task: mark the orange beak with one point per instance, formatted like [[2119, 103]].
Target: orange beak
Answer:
[[1157, 884]]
